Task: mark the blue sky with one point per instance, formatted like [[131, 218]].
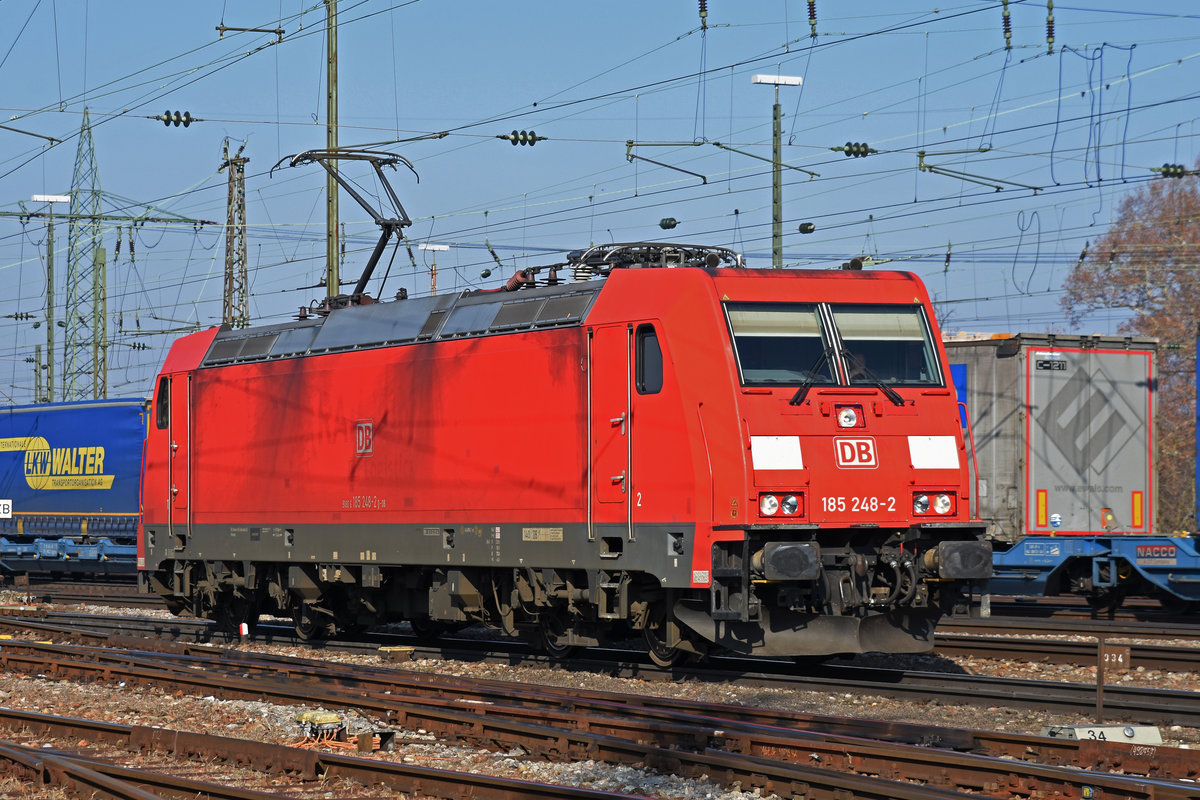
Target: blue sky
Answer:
[[1032, 146]]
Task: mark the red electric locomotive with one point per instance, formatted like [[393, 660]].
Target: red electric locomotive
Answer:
[[663, 443]]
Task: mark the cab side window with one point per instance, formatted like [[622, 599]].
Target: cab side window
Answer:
[[162, 404], [649, 361]]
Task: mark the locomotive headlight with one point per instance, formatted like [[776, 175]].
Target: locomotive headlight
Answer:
[[847, 417], [790, 505], [768, 505], [920, 504], [943, 504]]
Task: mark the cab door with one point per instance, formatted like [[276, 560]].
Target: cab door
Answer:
[[179, 472], [609, 388]]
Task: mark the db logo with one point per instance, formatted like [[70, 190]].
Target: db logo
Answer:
[[364, 437], [855, 452]]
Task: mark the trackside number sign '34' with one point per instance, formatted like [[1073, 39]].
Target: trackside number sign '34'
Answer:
[[855, 453]]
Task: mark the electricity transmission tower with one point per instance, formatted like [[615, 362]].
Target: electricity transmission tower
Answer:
[[236, 305], [85, 370]]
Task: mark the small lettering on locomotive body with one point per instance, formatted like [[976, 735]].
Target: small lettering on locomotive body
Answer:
[[361, 502], [540, 534]]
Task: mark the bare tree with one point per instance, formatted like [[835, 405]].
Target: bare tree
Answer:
[[1148, 263]]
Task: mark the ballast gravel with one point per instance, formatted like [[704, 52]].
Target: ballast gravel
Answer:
[[277, 724]]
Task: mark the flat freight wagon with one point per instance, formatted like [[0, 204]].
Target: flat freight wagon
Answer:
[[70, 486], [1064, 455]]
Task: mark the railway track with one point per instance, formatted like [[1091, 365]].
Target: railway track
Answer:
[[775, 751], [1031, 618], [1043, 616], [121, 594], [81, 772], [1137, 704], [1133, 629], [1067, 607], [1121, 656]]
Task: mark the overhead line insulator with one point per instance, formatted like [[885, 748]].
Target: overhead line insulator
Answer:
[[855, 149], [1172, 170], [522, 137], [170, 118], [1007, 27], [1049, 27]]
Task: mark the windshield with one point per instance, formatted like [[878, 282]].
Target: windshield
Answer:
[[888, 344], [796, 343], [779, 343]]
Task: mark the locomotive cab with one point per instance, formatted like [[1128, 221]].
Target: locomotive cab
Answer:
[[858, 534], [814, 429]]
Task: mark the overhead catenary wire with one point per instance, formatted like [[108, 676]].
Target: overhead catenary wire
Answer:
[[616, 197]]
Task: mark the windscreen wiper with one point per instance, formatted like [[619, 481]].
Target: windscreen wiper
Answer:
[[802, 392], [873, 379]]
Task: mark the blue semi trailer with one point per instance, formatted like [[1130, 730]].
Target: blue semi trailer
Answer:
[[70, 483]]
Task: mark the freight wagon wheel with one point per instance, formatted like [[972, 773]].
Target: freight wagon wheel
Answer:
[[1105, 601], [1175, 605]]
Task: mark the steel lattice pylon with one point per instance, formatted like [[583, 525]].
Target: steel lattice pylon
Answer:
[[236, 305], [85, 370]]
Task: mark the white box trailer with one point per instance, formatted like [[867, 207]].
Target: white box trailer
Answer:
[[1063, 430]]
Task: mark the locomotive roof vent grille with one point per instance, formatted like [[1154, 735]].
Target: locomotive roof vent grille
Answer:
[[224, 351], [542, 312], [564, 310], [294, 342], [517, 314], [466, 320], [245, 348], [258, 347], [432, 324]]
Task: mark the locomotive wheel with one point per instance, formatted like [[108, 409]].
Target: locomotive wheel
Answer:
[[430, 629], [661, 653], [179, 606], [230, 614], [311, 624], [552, 634]]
